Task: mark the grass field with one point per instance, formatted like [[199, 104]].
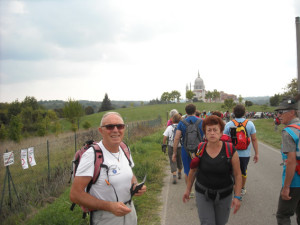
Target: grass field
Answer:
[[148, 158]]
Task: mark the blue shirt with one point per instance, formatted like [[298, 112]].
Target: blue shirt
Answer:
[[250, 130]]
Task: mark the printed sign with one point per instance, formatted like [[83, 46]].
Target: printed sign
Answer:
[[31, 156], [24, 159], [8, 158]]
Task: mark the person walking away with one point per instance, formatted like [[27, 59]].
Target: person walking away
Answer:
[[170, 134], [190, 110], [215, 165], [289, 198], [244, 155], [172, 113], [110, 196], [276, 122]]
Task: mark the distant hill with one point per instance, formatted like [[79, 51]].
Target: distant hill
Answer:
[[57, 104], [259, 100]]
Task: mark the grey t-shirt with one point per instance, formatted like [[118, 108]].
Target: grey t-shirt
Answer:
[[288, 143]]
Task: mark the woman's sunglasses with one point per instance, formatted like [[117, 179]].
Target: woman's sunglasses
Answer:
[[112, 126]]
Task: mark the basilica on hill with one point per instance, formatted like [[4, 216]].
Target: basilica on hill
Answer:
[[200, 92]]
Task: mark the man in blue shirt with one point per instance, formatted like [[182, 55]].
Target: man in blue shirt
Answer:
[[244, 155], [190, 110]]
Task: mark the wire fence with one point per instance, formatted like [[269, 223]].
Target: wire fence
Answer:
[[38, 183]]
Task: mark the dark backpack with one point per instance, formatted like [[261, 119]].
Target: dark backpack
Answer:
[[98, 165], [242, 139], [192, 136]]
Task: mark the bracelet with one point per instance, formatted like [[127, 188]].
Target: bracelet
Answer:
[[238, 197]]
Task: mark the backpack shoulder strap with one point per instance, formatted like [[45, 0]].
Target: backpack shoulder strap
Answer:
[[201, 149], [245, 123], [185, 122], [292, 133], [235, 122], [98, 162], [229, 149], [126, 151]]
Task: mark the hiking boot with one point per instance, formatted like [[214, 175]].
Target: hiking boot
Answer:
[[174, 179], [243, 191], [179, 176]]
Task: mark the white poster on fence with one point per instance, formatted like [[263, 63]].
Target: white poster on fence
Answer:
[[24, 159], [31, 156], [8, 158]]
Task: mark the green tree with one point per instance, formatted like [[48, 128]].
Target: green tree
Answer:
[[189, 95], [86, 125], [175, 95], [165, 97], [89, 110], [30, 102], [240, 99], [292, 88], [3, 132], [228, 104], [215, 95], [73, 111], [248, 103], [209, 95], [15, 128], [14, 109], [275, 100], [106, 104]]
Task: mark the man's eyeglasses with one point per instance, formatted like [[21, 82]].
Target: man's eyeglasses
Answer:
[[112, 126], [282, 111]]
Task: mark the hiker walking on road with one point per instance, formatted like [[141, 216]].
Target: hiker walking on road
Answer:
[[186, 155], [215, 165], [169, 135], [244, 150], [110, 196], [289, 199]]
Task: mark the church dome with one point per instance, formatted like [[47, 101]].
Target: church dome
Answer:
[[199, 84]]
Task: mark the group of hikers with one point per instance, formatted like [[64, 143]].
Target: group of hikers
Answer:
[[214, 155]]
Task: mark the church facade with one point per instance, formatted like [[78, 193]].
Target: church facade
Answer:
[[199, 88], [200, 92]]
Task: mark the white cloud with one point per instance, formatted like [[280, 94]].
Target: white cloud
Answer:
[[137, 50]]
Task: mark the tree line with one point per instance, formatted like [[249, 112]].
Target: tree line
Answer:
[[28, 118]]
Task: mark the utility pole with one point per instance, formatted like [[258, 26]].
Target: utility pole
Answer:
[[297, 21]]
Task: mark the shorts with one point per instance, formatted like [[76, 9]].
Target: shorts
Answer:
[[244, 161]]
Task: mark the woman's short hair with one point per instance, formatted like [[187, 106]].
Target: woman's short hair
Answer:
[[173, 112], [176, 118], [213, 120]]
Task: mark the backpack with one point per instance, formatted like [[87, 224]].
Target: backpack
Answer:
[[98, 165], [192, 136], [171, 138], [228, 148], [296, 139], [242, 138]]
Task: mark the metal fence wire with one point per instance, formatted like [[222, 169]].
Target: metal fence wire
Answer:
[[38, 184]]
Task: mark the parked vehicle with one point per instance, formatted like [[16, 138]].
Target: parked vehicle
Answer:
[[257, 115]]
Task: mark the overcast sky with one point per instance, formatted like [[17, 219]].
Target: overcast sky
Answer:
[[136, 49]]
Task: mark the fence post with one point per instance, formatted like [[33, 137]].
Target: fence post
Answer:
[[48, 156]]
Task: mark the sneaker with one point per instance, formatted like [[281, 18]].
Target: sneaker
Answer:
[[243, 191], [174, 179], [179, 176], [192, 195]]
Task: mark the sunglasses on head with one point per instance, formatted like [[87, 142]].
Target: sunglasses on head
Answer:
[[282, 111], [112, 126]]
